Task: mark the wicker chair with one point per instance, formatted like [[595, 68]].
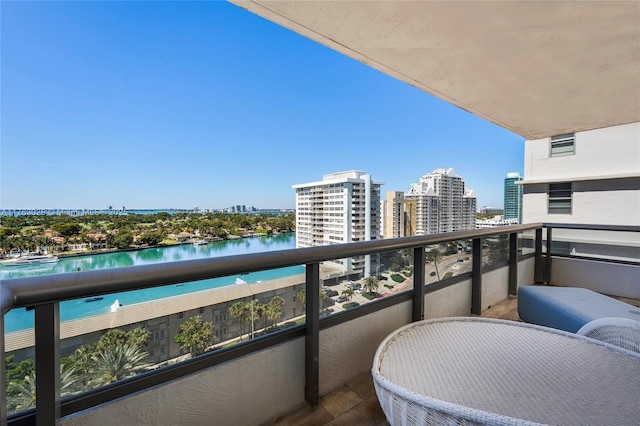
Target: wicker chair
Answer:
[[622, 332]]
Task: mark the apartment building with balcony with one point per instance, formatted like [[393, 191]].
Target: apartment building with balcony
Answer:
[[343, 207], [540, 69], [444, 203]]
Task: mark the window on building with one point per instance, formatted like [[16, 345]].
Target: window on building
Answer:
[[562, 145], [180, 315], [201, 310], [560, 197]]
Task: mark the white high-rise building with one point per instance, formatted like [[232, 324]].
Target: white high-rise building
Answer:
[[343, 207], [443, 203]]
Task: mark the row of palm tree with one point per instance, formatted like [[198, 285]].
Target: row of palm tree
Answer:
[[251, 312]]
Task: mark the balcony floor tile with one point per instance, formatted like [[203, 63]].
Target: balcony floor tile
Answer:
[[340, 401]]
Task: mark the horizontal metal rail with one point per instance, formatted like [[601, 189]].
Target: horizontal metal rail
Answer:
[[593, 227], [32, 291]]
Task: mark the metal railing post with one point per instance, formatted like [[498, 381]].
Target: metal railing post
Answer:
[[47, 330], [476, 277], [547, 274], [539, 278], [513, 263], [418, 283], [312, 337]]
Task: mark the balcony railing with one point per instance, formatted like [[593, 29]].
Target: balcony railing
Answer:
[[44, 293]]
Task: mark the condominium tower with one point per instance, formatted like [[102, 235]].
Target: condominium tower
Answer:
[[443, 203], [343, 207], [513, 197]]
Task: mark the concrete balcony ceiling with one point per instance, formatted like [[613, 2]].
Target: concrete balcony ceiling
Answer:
[[536, 68]]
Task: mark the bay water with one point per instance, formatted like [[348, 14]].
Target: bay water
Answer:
[[21, 319]]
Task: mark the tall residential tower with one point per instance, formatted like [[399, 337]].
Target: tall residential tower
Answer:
[[513, 197], [443, 203], [344, 207]]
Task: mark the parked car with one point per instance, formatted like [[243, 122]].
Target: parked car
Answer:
[[432, 274], [331, 293], [341, 299]]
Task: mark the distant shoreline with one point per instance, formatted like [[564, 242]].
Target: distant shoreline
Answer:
[[116, 250]]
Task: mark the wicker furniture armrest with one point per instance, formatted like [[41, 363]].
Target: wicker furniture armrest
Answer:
[[622, 332]]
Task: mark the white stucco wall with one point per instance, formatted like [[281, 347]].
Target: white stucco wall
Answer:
[[348, 349], [452, 301], [495, 287], [607, 278], [526, 271], [251, 390], [604, 172], [606, 202], [601, 152]]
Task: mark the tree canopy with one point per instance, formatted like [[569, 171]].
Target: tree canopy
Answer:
[[195, 335]]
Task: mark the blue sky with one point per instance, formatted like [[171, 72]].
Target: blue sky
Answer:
[[178, 105]]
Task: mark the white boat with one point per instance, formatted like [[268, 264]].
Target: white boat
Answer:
[[30, 259], [199, 242]]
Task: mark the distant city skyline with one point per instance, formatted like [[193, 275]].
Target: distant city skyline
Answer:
[[202, 104]]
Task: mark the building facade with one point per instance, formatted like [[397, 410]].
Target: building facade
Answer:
[[443, 203], [491, 210], [513, 197], [393, 215], [495, 222], [567, 181], [343, 207]]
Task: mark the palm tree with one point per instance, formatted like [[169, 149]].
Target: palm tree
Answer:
[[348, 293], [371, 284], [274, 309], [237, 310], [195, 335], [82, 358], [118, 362], [138, 337], [434, 255], [302, 296], [406, 255], [252, 314], [25, 396], [26, 390]]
